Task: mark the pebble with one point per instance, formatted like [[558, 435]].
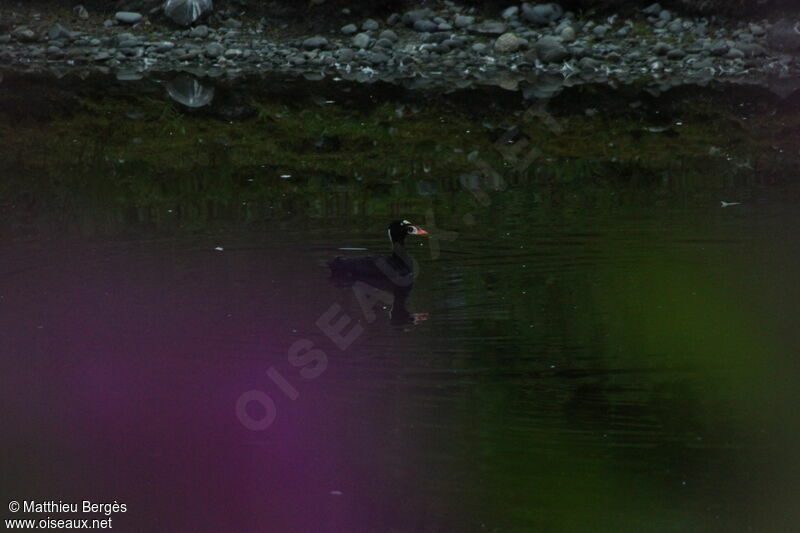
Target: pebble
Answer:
[[410, 17], [24, 34], [735, 53], [388, 35], [542, 14], [676, 53], [425, 26], [507, 43], [349, 29], [550, 50], [59, 32], [568, 34], [312, 43], [128, 17], [509, 12], [361, 40], [588, 63], [661, 48], [652, 9], [378, 58], [489, 28], [199, 31], [370, 25], [214, 50], [462, 21]]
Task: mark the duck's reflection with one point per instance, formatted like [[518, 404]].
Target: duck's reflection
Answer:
[[395, 297], [399, 313]]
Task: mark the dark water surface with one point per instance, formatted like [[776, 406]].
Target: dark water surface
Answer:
[[599, 346]]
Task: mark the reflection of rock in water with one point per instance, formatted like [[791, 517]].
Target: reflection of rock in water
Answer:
[[543, 86], [784, 86], [190, 92]]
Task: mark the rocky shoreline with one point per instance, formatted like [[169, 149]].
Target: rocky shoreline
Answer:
[[529, 47]]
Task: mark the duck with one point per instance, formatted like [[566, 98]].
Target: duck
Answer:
[[397, 268]]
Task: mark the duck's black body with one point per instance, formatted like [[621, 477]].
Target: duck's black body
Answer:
[[370, 267], [396, 268]]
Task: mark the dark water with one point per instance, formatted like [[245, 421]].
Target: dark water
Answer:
[[599, 345]]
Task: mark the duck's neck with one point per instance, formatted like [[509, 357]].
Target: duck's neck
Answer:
[[399, 253]]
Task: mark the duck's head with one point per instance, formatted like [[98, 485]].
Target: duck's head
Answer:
[[400, 229]]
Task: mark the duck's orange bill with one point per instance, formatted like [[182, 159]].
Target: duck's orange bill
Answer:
[[419, 231]]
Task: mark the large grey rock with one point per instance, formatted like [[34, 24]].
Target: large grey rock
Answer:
[[128, 17], [542, 14], [784, 36], [186, 12], [550, 50]]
